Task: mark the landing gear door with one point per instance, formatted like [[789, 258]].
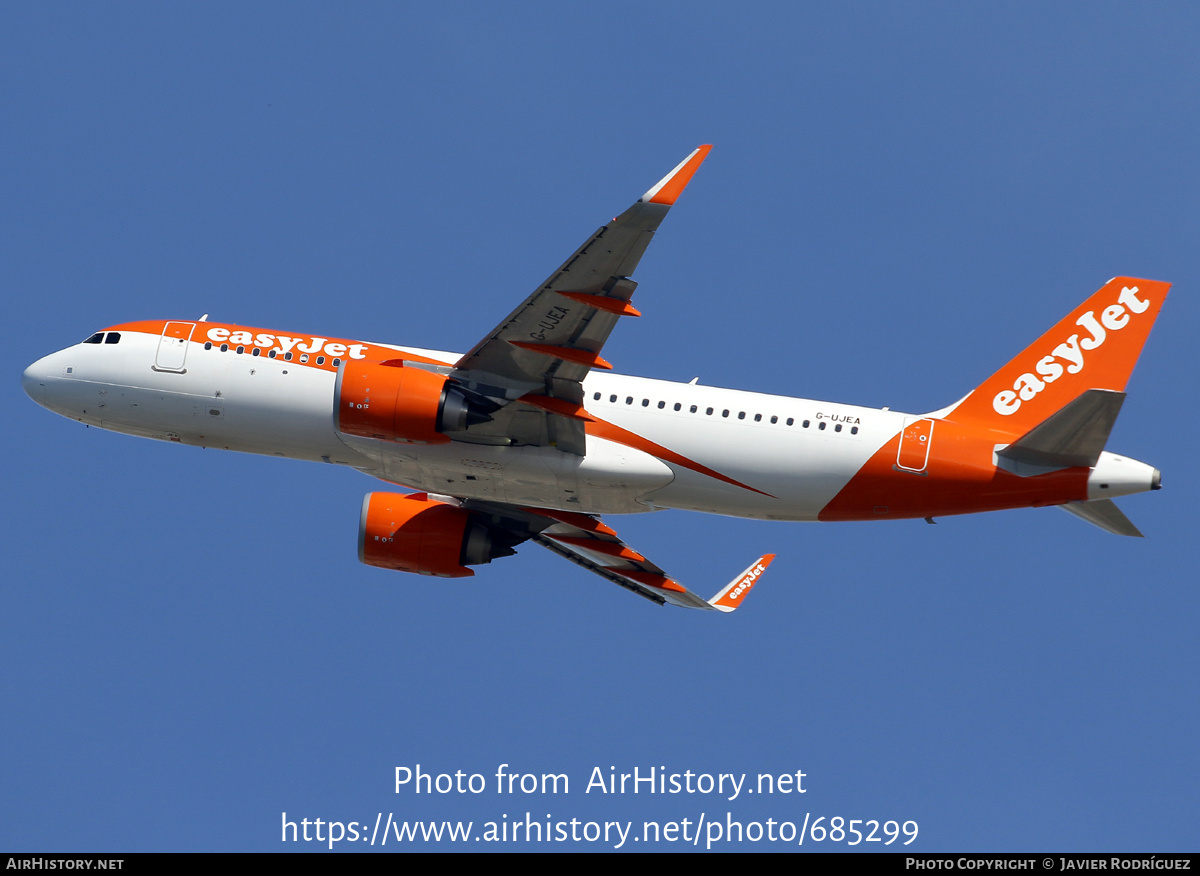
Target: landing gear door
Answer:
[[914, 446], [173, 346]]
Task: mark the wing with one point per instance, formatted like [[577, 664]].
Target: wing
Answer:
[[554, 338], [589, 542]]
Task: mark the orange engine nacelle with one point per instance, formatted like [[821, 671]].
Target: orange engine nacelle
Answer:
[[398, 402], [413, 533]]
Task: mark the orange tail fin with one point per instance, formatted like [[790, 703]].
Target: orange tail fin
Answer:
[[1095, 346]]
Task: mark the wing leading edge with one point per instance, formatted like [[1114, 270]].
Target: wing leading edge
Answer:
[[547, 346]]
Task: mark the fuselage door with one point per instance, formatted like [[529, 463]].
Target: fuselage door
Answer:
[[172, 347], [913, 454]]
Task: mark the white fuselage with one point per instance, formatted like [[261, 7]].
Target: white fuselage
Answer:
[[746, 454]]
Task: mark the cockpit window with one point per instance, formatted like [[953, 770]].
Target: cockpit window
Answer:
[[95, 339], [113, 338]]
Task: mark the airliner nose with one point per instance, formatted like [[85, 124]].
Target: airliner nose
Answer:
[[33, 381]]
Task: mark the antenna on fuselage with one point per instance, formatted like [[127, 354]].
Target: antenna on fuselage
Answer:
[[203, 318]]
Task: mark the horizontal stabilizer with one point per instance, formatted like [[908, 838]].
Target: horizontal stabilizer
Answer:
[[1105, 514], [1075, 435]]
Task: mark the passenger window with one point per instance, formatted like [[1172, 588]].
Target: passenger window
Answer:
[[661, 405], [694, 409], [286, 356], [208, 345], [821, 425], [774, 419], [645, 402], [708, 411], [224, 348], [612, 398], [854, 430], [838, 427], [337, 363], [758, 418], [790, 421], [596, 397], [320, 359], [256, 352], [678, 406], [273, 353]]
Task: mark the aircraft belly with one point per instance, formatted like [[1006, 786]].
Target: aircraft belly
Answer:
[[802, 500], [611, 479], [177, 416]]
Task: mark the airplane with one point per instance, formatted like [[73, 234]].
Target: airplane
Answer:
[[530, 436]]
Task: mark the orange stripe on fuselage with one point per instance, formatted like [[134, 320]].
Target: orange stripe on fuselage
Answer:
[[959, 478], [593, 425], [610, 432]]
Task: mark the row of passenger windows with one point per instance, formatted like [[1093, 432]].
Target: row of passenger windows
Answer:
[[287, 357], [694, 409], [104, 338]]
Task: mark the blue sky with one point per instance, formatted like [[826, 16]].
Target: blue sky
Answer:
[[900, 198]]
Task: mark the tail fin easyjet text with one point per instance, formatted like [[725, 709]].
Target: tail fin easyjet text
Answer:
[[1094, 347]]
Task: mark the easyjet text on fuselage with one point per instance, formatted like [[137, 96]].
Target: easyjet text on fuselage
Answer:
[[285, 344]]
